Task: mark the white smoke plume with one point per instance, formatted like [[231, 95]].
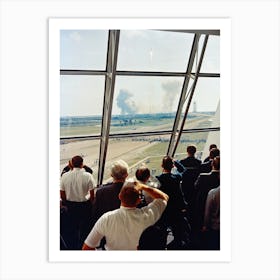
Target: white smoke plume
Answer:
[[126, 103], [172, 89]]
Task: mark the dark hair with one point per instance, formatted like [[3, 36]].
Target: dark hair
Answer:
[[143, 173], [212, 146], [214, 153], [87, 169], [167, 163], [77, 161], [216, 163], [129, 195], [152, 238], [191, 150]]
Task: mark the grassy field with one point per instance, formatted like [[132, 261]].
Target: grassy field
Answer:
[[134, 151]]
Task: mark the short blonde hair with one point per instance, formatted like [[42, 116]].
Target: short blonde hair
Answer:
[[119, 170]]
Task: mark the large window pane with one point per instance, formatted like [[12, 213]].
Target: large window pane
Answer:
[[211, 59], [204, 104], [137, 150], [83, 49], [198, 139], [149, 50], [81, 101], [145, 103], [88, 149]]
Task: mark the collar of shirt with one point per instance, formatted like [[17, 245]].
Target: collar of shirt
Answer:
[[127, 208]]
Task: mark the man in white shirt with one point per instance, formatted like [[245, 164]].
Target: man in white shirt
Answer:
[[124, 226], [75, 187]]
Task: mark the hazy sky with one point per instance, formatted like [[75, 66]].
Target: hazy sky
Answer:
[[143, 50]]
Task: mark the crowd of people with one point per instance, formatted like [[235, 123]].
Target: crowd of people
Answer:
[[176, 210]]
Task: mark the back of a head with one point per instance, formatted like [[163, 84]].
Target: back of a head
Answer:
[[216, 163], [152, 238], [212, 146], [119, 170], [214, 152], [167, 163], [191, 150], [129, 195], [142, 173], [77, 161]]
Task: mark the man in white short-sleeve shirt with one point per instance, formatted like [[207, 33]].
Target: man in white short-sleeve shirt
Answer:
[[75, 186], [123, 227]]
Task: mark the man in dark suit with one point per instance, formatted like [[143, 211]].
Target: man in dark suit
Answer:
[[206, 167], [173, 216], [190, 161], [210, 148], [204, 183], [192, 170], [107, 196]]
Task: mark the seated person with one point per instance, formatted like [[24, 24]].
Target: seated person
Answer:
[[123, 227]]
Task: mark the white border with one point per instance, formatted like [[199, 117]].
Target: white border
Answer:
[[55, 25]]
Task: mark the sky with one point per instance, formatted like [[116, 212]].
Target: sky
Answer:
[[143, 50]]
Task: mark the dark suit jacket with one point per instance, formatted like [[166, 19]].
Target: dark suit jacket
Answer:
[[205, 182], [191, 162], [106, 199], [206, 167], [206, 159], [170, 184]]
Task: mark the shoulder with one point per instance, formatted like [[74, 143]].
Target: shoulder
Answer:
[[214, 191], [65, 175], [158, 202], [105, 187], [109, 215]]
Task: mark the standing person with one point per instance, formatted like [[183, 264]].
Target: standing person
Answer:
[[206, 166], [107, 196], [123, 227], [204, 183], [70, 167], [212, 219], [143, 175], [174, 214], [191, 161], [75, 186], [212, 146]]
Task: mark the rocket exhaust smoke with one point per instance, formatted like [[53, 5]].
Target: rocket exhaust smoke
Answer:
[[126, 103]]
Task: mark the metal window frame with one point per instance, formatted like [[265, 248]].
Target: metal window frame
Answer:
[[111, 65], [179, 133], [110, 74]]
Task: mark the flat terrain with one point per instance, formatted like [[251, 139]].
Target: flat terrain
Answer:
[[133, 150]]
